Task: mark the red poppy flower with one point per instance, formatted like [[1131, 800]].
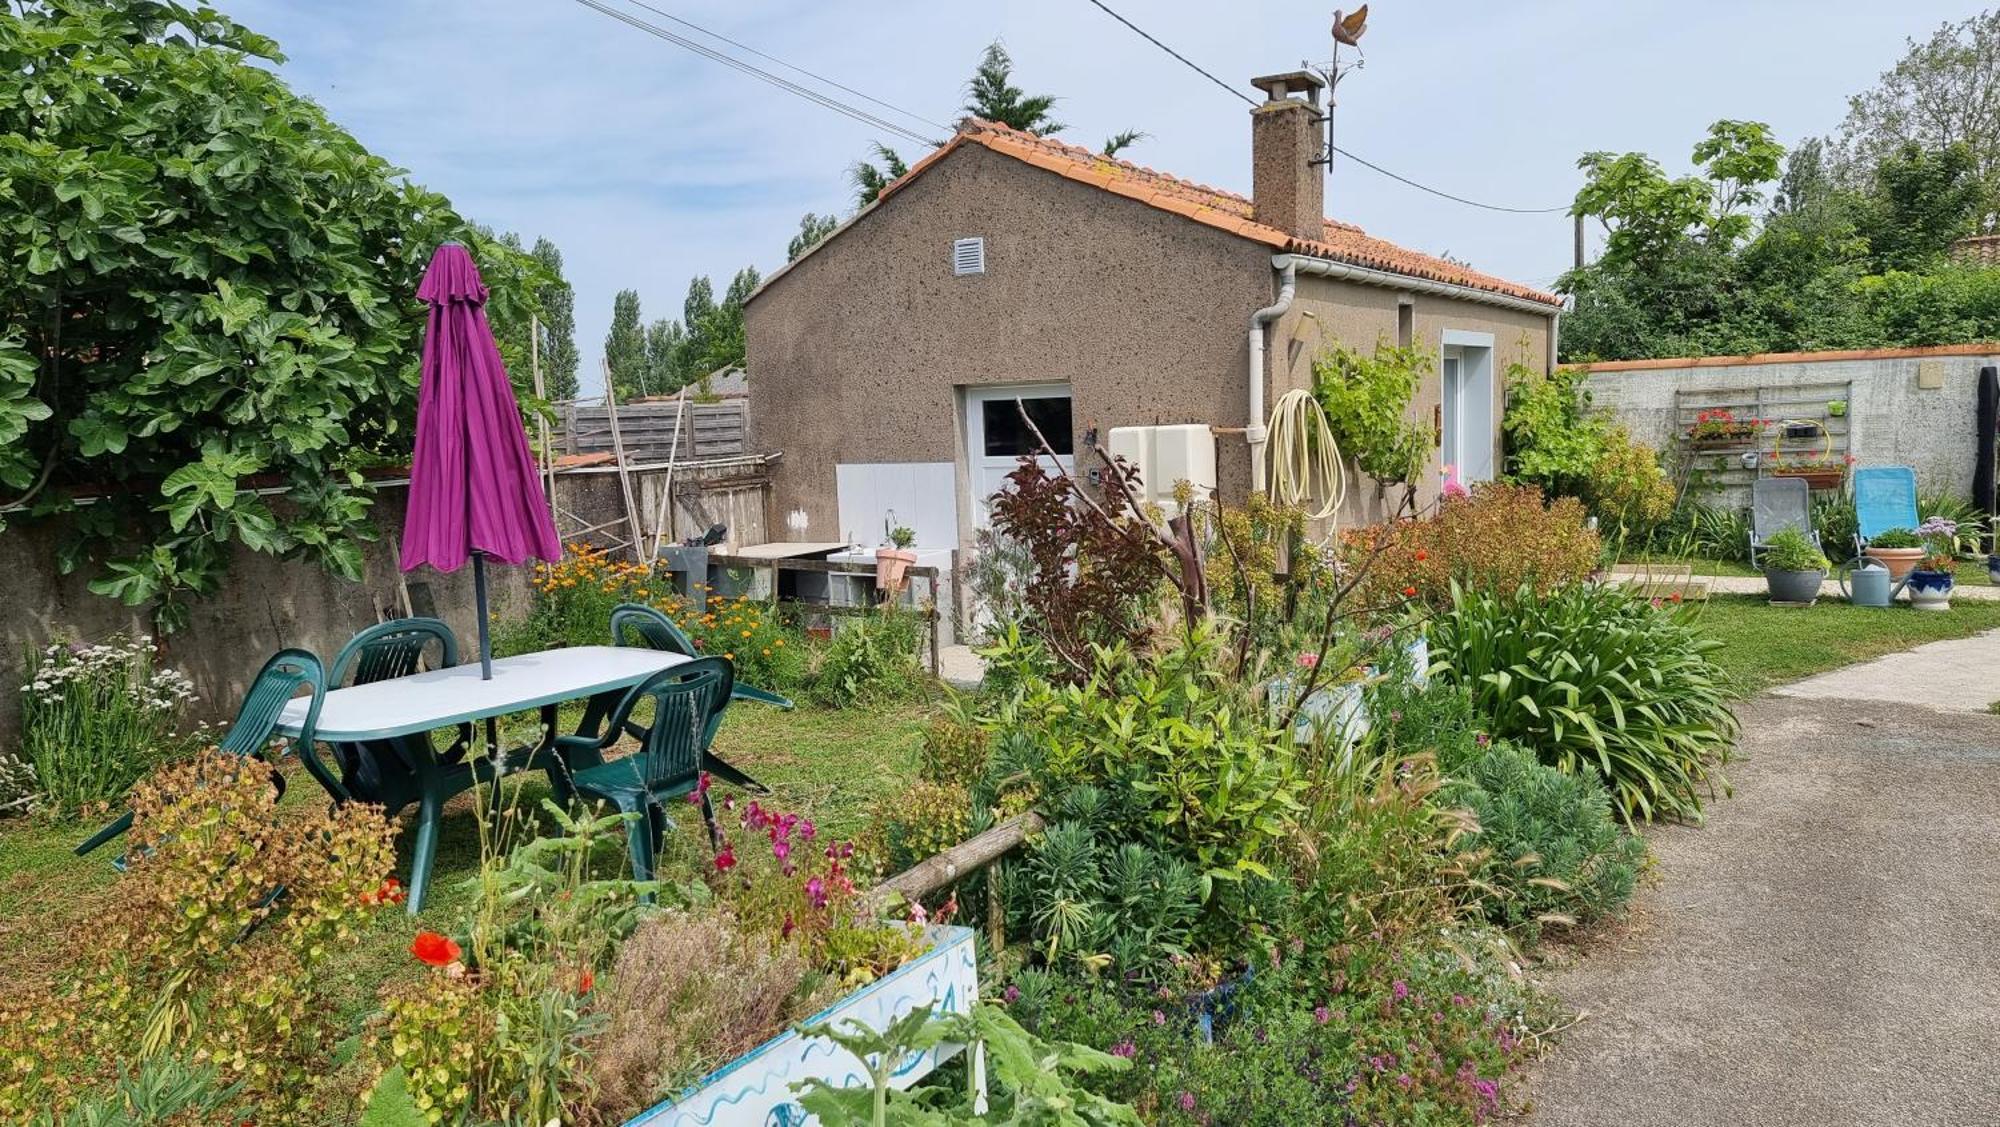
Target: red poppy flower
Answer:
[[585, 981], [1422, 555], [1409, 592], [434, 949]]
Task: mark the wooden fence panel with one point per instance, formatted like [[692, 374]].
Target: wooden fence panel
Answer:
[[713, 430]]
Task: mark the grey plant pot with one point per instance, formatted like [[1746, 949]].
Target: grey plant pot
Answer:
[[1794, 586]]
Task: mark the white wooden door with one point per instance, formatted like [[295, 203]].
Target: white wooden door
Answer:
[[996, 439]]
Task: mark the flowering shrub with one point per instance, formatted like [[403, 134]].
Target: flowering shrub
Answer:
[[1781, 466], [921, 821], [574, 599], [783, 879], [1939, 537], [1498, 539], [95, 719], [214, 944]]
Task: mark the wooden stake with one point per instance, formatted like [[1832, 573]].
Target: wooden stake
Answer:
[[632, 530], [663, 526]]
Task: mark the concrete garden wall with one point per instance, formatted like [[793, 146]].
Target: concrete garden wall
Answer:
[[1911, 406]]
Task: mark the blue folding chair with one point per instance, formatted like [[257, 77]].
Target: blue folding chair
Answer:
[[1885, 497]]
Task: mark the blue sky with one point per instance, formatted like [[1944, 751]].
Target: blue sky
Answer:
[[648, 164]]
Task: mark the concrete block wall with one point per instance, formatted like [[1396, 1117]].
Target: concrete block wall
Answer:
[[1893, 417]]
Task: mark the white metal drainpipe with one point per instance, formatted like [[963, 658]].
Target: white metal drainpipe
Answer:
[[1256, 431]]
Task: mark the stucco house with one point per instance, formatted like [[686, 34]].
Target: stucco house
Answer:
[[887, 360]]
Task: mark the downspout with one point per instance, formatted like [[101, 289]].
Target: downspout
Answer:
[[1256, 432]]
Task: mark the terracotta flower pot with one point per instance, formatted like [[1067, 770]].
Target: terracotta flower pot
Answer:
[[1899, 561], [890, 564]]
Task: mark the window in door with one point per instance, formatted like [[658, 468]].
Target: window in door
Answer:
[[996, 437]]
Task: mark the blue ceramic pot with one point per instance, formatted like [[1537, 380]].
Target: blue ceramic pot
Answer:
[[1930, 590]]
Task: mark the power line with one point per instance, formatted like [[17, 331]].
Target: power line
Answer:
[[1444, 194], [789, 66], [785, 84], [1191, 65]]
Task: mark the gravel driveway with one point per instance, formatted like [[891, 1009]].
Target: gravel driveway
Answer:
[[1824, 952]]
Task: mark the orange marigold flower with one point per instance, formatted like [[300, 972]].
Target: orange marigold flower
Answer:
[[434, 949]]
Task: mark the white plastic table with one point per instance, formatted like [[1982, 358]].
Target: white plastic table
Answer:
[[441, 698]]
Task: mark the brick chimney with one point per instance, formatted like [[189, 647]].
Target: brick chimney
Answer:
[[1287, 132]]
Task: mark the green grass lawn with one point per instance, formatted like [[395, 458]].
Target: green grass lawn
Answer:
[[830, 766], [1765, 645], [1970, 573]]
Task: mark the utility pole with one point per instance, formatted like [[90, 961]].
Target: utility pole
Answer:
[[1579, 241]]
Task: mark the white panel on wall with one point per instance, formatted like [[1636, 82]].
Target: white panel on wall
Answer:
[[922, 496]]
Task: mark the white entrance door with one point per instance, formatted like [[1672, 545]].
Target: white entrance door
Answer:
[[1467, 394], [996, 439]]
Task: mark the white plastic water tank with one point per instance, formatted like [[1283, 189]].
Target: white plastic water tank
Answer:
[[1165, 456]]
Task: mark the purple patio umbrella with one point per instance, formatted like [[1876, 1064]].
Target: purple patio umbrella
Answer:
[[474, 492]]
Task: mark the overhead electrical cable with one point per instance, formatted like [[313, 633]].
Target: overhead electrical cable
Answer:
[[785, 84], [1191, 65]]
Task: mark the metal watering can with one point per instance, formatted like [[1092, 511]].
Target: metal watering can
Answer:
[[1870, 588]]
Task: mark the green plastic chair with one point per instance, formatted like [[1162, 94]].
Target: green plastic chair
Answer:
[[688, 702], [256, 723], [658, 632], [400, 770]]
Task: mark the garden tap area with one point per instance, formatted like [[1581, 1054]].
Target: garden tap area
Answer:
[[1488, 715]]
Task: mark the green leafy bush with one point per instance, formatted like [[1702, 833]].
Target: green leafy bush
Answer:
[[1189, 765], [1896, 538], [1554, 442], [1834, 518], [1096, 903], [184, 315], [872, 659], [1367, 402], [1596, 681], [1552, 852], [1697, 530], [1789, 550]]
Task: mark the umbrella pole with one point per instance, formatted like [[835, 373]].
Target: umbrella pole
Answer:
[[479, 596]]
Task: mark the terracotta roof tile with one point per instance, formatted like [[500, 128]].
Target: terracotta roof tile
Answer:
[[1340, 242]]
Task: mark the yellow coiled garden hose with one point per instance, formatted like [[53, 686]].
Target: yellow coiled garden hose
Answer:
[[1304, 460]]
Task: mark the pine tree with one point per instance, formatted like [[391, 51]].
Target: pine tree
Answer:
[[625, 347], [993, 96], [869, 180], [558, 301]]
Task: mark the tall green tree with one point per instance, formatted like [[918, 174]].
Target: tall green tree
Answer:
[[203, 281], [558, 302], [991, 94], [1922, 203], [625, 348], [869, 179], [812, 229], [1944, 91], [664, 355]]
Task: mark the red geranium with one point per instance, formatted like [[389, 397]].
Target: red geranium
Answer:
[[434, 949], [725, 860], [585, 981]]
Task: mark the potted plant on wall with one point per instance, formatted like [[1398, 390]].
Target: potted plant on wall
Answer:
[[1793, 568], [1930, 582], [1719, 427], [1824, 472], [894, 559], [1897, 549]]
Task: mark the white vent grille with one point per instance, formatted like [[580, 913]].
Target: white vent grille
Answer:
[[968, 256]]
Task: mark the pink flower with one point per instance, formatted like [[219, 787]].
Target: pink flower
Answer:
[[1124, 1049], [1011, 994], [781, 849], [1187, 1101], [816, 892], [1400, 989], [808, 831], [725, 860], [1322, 1015], [1308, 661], [1159, 1018]]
